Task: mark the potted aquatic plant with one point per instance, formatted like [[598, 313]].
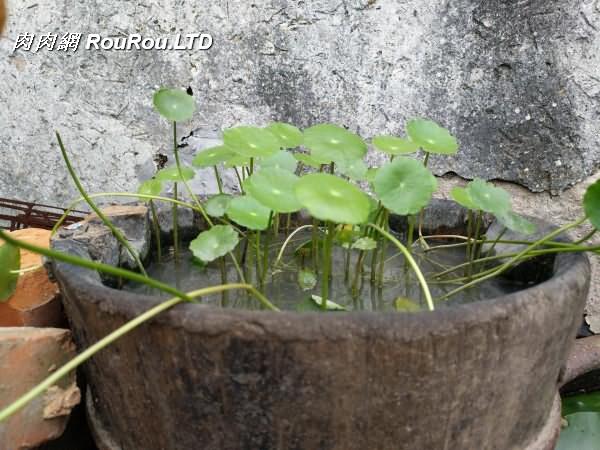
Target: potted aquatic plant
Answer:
[[325, 304]]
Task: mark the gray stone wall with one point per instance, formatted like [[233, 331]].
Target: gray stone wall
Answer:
[[516, 81]]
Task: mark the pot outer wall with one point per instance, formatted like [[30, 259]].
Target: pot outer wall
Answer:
[[476, 376]]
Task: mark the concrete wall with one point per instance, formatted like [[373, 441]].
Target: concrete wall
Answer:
[[514, 80]]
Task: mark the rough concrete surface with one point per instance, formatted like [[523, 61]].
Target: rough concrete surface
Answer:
[[515, 81]]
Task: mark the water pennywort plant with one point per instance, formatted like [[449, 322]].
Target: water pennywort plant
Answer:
[[307, 203]]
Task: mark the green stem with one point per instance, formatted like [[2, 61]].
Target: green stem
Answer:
[[112, 337], [175, 224], [515, 258], [286, 242], [118, 235], [219, 181], [411, 261], [491, 249], [156, 228], [327, 264], [265, 265], [239, 178]]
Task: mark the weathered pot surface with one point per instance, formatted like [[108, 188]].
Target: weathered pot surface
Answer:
[[479, 376]]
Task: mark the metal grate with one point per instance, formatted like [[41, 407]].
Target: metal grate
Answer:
[[15, 215]]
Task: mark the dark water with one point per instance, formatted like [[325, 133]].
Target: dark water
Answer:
[[282, 287]]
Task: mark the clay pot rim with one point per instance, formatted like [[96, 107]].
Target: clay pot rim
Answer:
[[572, 270]]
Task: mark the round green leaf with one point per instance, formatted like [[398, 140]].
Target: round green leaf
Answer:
[[150, 187], [249, 213], [582, 432], [274, 188], [310, 160], [354, 169], [370, 175], [516, 223], [488, 198], [404, 186], [251, 142], [216, 206], [213, 156], [461, 196], [431, 137], [591, 204], [174, 105], [289, 136], [333, 143], [307, 279], [328, 197], [10, 260], [402, 304], [394, 146], [365, 244], [172, 174], [281, 160], [214, 243]]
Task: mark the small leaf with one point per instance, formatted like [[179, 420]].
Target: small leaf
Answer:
[[406, 305], [394, 145], [216, 206], [274, 188], [514, 222], [365, 243], [214, 243], [213, 156], [404, 186], [249, 213], [345, 235], [280, 160], [431, 137], [333, 143], [580, 403], [172, 173], [329, 305], [307, 279], [591, 204], [328, 197], [310, 160], [251, 142], [289, 136], [174, 105], [461, 196], [489, 198], [354, 169], [10, 260], [150, 187]]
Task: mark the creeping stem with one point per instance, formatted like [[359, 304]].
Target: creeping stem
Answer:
[[114, 230]]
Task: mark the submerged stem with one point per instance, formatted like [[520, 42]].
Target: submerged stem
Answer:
[[156, 228], [327, 264]]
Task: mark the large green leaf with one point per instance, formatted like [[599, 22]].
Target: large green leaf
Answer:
[[237, 161], [289, 136], [216, 206], [582, 432], [249, 212], [328, 197], [355, 169], [274, 188], [251, 142], [10, 260], [515, 222], [591, 204], [404, 186], [394, 145], [150, 187], [461, 196], [174, 105], [489, 198], [281, 160], [214, 243], [172, 174], [431, 137], [213, 156], [333, 143]]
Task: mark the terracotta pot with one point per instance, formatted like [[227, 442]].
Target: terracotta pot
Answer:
[[479, 376]]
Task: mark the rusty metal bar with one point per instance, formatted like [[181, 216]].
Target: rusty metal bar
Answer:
[[17, 214]]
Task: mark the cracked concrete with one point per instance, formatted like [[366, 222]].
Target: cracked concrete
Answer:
[[515, 81]]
